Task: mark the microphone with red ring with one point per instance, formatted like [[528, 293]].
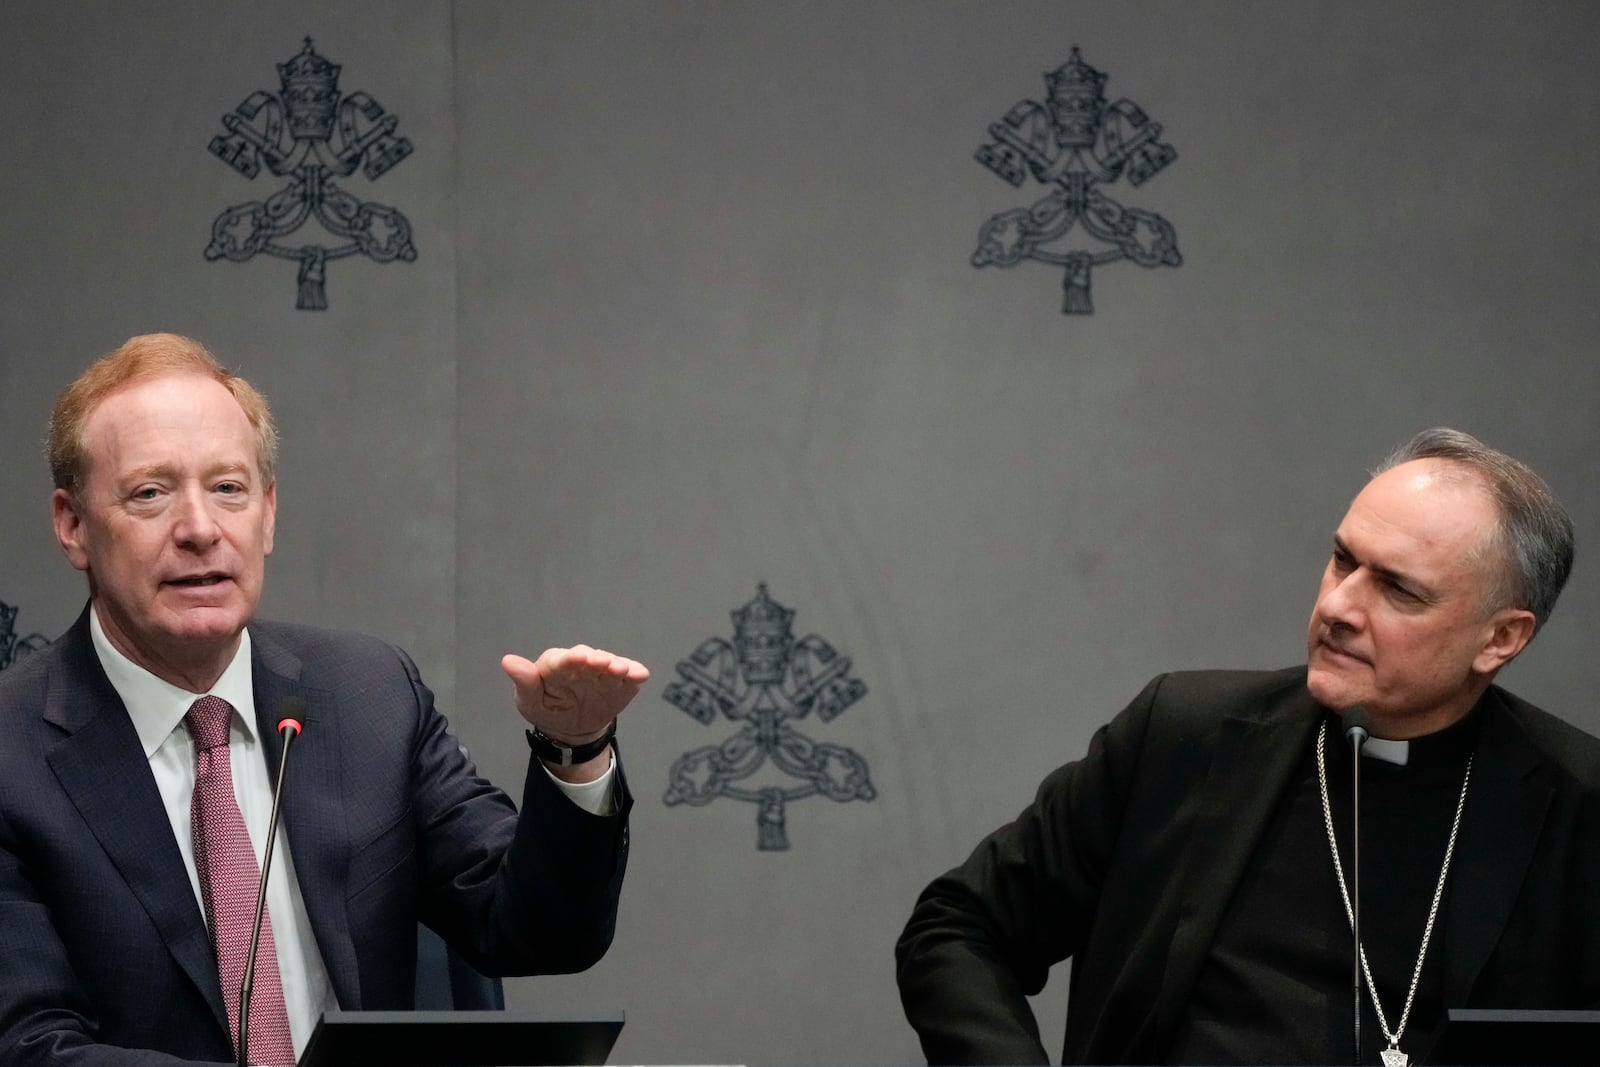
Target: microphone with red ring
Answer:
[[290, 712]]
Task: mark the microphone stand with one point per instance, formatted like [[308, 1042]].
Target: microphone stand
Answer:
[[288, 730]]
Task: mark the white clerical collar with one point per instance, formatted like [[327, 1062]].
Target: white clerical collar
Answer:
[[157, 707], [1396, 752]]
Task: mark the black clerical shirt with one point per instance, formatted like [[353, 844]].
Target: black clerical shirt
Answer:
[[1276, 986]]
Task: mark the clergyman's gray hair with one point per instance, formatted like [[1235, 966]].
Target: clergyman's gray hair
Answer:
[[1534, 538]]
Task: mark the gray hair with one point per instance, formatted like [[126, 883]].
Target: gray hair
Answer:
[[1534, 537]]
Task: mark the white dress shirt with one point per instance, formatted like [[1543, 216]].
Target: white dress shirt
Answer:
[[157, 709]]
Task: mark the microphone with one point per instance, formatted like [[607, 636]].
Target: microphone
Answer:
[[1357, 728], [1357, 725], [288, 730]]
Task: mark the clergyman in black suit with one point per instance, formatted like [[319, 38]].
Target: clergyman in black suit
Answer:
[[1193, 864]]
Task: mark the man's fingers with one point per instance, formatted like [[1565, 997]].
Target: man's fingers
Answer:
[[567, 665], [630, 670]]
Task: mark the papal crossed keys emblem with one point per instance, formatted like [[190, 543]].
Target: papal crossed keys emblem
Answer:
[[1076, 143], [12, 647], [311, 136], [765, 681]]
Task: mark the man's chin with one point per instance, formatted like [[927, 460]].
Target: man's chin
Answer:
[[208, 626], [1331, 690]]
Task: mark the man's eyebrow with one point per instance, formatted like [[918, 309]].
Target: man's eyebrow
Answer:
[[1407, 582], [168, 472], [160, 471]]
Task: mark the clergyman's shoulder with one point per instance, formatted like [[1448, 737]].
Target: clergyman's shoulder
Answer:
[[1227, 691], [1574, 752]]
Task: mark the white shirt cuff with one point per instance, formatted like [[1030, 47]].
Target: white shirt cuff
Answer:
[[593, 797]]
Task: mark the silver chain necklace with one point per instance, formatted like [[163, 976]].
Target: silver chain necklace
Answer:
[[1392, 1056]]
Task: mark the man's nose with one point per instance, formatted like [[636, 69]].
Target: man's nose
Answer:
[[194, 524], [1343, 604]]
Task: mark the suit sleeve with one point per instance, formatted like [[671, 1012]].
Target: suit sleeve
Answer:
[[534, 893], [983, 937]]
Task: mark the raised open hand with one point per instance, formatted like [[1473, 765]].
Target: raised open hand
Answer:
[[573, 694]]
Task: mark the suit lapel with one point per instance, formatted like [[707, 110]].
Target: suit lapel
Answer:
[[1254, 761], [103, 770], [312, 813], [1500, 827]]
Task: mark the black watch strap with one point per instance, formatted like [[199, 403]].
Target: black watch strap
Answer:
[[552, 751]]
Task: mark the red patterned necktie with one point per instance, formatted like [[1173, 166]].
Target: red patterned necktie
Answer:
[[229, 878]]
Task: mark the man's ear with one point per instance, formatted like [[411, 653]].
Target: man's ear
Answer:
[[269, 518], [66, 515], [1510, 631]]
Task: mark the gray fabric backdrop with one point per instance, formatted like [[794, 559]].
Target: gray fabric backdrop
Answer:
[[693, 309]]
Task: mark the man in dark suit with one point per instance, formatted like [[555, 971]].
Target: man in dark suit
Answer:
[[1193, 864], [134, 752]]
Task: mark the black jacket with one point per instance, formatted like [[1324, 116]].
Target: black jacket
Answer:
[[1127, 859]]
